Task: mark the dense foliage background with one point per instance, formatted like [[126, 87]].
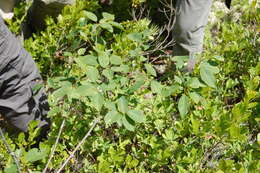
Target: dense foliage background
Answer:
[[103, 70]]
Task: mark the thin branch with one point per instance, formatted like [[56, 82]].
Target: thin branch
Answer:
[[55, 146], [10, 151], [79, 145], [163, 39]]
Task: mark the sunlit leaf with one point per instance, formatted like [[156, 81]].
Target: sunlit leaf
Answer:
[[87, 60], [61, 92], [150, 70], [136, 115], [121, 68], [93, 73], [195, 125], [196, 98], [103, 60], [86, 90], [128, 124], [98, 101], [12, 168], [112, 117], [156, 87], [117, 25], [195, 83], [136, 86], [35, 155], [122, 104], [135, 37], [183, 105], [81, 51], [109, 74], [108, 16], [116, 60], [207, 74], [107, 26], [90, 16]]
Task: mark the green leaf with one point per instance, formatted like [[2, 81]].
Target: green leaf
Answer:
[[135, 52], [180, 60], [98, 101], [150, 70], [136, 115], [219, 58], [122, 105], [135, 37], [87, 60], [68, 54], [86, 90], [110, 106], [213, 69], [103, 60], [127, 122], [168, 91], [12, 168], [195, 125], [115, 60], [183, 105], [82, 22], [21, 137], [90, 16], [108, 16], [61, 92], [112, 117], [117, 25], [207, 75], [195, 97], [234, 131], [121, 68], [34, 155], [195, 83], [81, 51], [178, 80], [93, 73], [109, 74], [136, 86], [156, 87], [107, 26]]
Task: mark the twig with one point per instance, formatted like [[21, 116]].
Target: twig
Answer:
[[10, 151], [79, 145], [55, 146], [163, 39]]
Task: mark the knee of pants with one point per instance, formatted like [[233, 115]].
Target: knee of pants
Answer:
[[188, 42], [21, 121]]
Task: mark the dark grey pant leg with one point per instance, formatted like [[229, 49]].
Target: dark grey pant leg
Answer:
[[188, 32], [18, 103]]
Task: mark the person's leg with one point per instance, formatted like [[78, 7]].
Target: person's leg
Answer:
[[188, 32], [20, 103]]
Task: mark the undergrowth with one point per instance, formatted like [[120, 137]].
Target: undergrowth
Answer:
[[96, 71]]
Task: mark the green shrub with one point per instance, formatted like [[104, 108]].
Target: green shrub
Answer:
[[207, 121]]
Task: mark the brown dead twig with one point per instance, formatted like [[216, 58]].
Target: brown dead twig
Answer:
[[79, 145], [163, 40], [16, 161], [54, 147]]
